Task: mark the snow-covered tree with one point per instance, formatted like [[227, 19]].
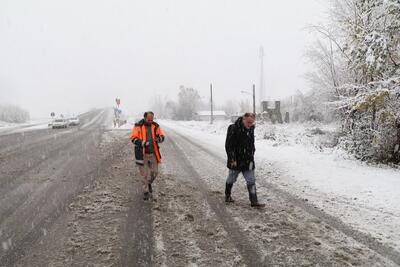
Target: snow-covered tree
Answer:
[[11, 113], [362, 71], [370, 32]]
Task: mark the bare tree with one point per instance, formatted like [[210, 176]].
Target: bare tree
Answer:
[[188, 102], [158, 106], [231, 107], [171, 109], [245, 106]]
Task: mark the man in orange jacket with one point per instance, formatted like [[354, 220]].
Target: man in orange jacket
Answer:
[[146, 135]]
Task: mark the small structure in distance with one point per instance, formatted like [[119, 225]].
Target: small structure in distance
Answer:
[[205, 115]]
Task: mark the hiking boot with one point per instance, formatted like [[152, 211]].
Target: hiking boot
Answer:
[[253, 197], [146, 196], [229, 199], [228, 190], [257, 205]]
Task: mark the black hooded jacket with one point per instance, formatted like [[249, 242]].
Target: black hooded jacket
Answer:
[[239, 146]]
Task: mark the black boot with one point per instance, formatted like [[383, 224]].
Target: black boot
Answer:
[[228, 190], [253, 196], [151, 193], [146, 196]]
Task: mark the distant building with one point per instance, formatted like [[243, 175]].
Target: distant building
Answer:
[[206, 115], [271, 110]]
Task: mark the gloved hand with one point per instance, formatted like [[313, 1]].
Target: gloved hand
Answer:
[[137, 142], [145, 143], [160, 139], [233, 163]]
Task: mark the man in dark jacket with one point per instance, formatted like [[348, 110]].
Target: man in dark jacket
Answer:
[[240, 150]]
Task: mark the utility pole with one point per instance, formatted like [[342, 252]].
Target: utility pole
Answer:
[[211, 102], [253, 94], [254, 98], [262, 82]]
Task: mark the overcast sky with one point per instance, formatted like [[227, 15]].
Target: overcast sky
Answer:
[[71, 55]]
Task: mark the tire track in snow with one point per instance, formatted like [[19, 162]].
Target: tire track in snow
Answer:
[[42, 212], [334, 222], [138, 243], [24, 141], [246, 249], [49, 147], [15, 170]]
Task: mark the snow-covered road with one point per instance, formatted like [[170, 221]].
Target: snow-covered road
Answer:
[[79, 203], [363, 196]]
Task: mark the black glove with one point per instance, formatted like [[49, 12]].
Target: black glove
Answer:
[[160, 139], [137, 142]]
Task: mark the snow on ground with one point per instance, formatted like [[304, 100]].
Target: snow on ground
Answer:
[[304, 162], [127, 126], [33, 124], [10, 125]]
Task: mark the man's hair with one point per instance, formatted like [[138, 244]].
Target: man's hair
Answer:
[[147, 113], [249, 114]]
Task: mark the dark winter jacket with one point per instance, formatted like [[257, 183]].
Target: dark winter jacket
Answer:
[[239, 146]]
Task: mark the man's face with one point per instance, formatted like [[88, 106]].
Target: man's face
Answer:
[[149, 118], [248, 121]]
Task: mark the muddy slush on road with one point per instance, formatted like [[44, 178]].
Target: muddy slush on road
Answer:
[[73, 198]]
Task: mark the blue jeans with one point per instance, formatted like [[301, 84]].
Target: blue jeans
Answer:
[[248, 176]]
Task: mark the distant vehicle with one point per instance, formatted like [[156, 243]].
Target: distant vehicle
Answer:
[[60, 123], [74, 121]]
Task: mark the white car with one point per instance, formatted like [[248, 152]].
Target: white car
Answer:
[[74, 121], [60, 123]]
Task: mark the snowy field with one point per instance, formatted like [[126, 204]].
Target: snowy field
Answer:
[[300, 159]]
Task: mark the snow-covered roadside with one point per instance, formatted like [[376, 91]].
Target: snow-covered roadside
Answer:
[[363, 196], [125, 127], [35, 124]]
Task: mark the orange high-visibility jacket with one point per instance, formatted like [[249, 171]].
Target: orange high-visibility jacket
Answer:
[[139, 133]]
